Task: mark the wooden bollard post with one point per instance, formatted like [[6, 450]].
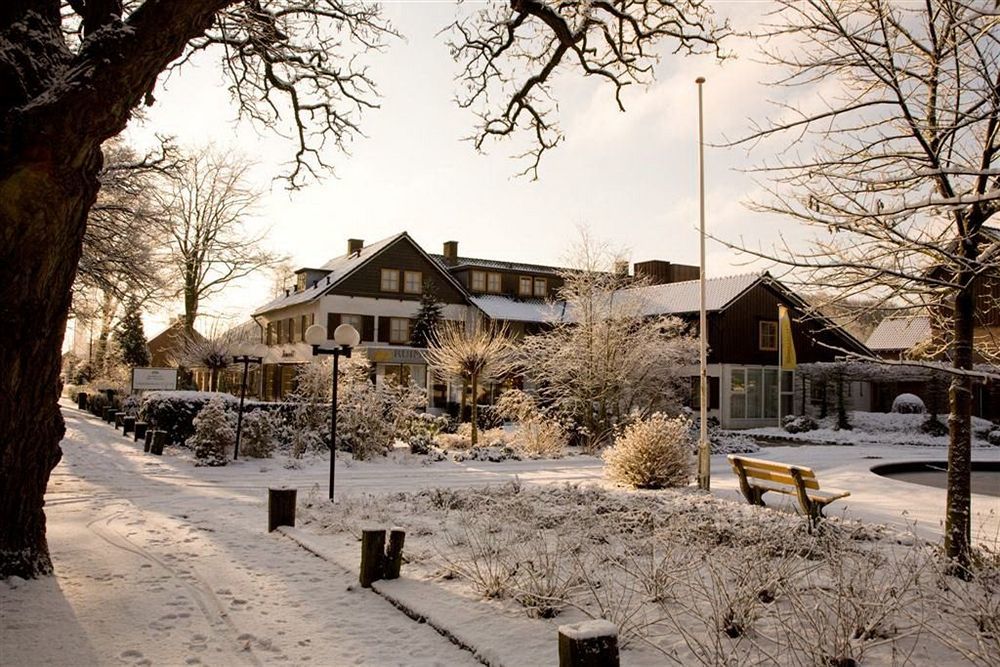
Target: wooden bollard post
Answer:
[[140, 431], [81, 400], [147, 445], [588, 644], [119, 419], [280, 508], [128, 425], [106, 416], [159, 438], [372, 556], [394, 553]]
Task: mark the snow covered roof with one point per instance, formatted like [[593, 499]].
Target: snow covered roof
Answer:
[[338, 268], [471, 262], [685, 296], [505, 308], [899, 333]]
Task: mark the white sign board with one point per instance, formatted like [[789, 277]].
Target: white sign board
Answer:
[[154, 378]]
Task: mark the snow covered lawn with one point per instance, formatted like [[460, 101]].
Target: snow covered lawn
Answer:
[[875, 428], [161, 562]]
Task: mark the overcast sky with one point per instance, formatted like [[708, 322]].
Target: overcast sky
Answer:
[[631, 178]]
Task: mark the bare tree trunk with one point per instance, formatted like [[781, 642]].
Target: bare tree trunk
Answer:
[[475, 410], [958, 521], [43, 211], [190, 310]]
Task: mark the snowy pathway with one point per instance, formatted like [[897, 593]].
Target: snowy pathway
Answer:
[[154, 569]]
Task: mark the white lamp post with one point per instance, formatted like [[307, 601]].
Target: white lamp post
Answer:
[[346, 337], [245, 354]]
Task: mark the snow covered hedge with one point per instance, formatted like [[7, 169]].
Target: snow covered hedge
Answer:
[[175, 411]]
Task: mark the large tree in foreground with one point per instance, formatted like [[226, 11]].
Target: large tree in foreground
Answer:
[[900, 112], [72, 73]]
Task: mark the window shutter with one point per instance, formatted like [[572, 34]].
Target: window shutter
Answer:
[[713, 393], [332, 322], [269, 330], [302, 328], [383, 329], [291, 330], [368, 327]]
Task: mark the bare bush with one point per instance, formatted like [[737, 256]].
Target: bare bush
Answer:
[[537, 435], [653, 453], [545, 576], [481, 555]]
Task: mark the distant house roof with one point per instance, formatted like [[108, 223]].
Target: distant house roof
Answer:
[[899, 333], [166, 346], [471, 262], [530, 310], [685, 296]]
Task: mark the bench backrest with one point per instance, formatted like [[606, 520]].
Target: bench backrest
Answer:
[[780, 473]]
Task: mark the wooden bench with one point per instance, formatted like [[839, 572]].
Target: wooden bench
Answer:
[[758, 476]]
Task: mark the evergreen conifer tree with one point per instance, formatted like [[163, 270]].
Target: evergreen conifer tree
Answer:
[[132, 338], [427, 317]]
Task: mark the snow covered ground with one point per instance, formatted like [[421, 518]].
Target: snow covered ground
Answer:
[[160, 562]]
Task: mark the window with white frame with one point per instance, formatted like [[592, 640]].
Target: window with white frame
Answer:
[[540, 287], [753, 393], [390, 280], [399, 330], [355, 321], [524, 286], [478, 281], [413, 282], [768, 335], [493, 284]]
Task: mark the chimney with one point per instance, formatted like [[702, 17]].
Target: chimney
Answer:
[[354, 246], [451, 253], [658, 272]]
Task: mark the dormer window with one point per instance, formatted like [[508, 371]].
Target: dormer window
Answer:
[[540, 287], [493, 284], [478, 281], [300, 284]]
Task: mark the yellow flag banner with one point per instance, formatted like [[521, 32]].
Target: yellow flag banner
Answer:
[[787, 343]]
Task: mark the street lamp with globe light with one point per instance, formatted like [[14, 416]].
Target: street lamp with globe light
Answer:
[[345, 337]]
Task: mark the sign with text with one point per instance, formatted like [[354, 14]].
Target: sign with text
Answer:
[[163, 379]]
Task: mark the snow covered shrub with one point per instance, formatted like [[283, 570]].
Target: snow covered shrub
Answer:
[[993, 437], [544, 577], [422, 430], [257, 439], [908, 404], [933, 426], [453, 441], [174, 411], [309, 429], [652, 454], [214, 436], [536, 434], [799, 424], [130, 405]]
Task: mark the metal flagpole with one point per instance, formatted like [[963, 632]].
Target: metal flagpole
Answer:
[[704, 458]]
